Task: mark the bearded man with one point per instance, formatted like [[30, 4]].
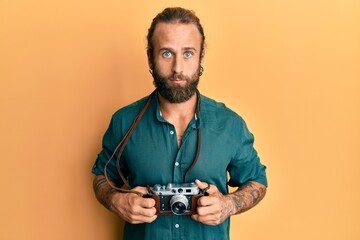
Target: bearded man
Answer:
[[180, 139]]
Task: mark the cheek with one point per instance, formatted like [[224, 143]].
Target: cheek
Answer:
[[163, 66], [192, 67]]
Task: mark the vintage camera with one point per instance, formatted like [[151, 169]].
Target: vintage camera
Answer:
[[178, 199]]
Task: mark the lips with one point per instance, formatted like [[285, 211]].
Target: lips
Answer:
[[177, 78], [177, 81]]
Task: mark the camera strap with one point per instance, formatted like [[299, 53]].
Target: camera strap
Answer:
[[121, 146]]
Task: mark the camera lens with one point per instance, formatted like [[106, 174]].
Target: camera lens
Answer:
[[178, 204]]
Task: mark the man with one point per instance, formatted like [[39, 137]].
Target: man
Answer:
[[178, 126]]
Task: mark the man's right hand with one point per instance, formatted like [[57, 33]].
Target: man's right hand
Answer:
[[132, 207]]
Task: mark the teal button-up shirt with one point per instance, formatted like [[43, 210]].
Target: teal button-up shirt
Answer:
[[152, 156]]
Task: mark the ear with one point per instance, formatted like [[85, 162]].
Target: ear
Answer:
[[150, 58], [202, 57]]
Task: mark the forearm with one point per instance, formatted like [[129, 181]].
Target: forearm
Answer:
[[103, 191], [245, 197], [130, 206]]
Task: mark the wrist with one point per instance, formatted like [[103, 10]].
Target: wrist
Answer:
[[229, 205], [111, 199]]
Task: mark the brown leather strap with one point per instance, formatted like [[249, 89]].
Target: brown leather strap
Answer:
[[196, 156], [125, 140], [198, 139], [122, 145]]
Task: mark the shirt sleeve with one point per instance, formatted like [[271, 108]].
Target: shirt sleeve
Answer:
[[245, 165], [109, 144]]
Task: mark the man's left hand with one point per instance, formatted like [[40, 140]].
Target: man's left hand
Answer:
[[212, 209]]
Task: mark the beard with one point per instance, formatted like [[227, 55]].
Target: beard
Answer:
[[176, 94]]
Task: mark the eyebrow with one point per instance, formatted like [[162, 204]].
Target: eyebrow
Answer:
[[172, 50]]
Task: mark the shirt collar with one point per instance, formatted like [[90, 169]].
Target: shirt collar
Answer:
[[198, 110]]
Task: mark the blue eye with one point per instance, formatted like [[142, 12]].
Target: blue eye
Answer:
[[167, 54], [188, 54]]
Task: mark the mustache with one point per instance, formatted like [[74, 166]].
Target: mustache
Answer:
[[179, 76]]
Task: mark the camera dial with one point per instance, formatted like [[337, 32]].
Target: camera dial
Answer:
[[157, 187]]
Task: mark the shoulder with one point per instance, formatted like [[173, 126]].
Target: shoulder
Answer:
[[122, 119], [214, 110], [130, 111], [221, 120]]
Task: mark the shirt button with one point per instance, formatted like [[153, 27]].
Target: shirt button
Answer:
[[176, 163], [177, 225], [171, 132]]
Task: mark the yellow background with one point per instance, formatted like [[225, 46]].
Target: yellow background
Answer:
[[290, 68]]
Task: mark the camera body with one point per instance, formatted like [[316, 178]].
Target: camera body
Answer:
[[175, 199]]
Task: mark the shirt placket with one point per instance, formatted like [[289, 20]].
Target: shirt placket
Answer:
[[177, 227], [177, 164], [177, 223], [179, 168]]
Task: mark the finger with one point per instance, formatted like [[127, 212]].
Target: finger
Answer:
[[136, 219], [208, 210], [208, 219], [207, 201], [142, 202], [200, 184], [209, 188], [139, 211], [195, 217], [147, 212], [150, 219], [146, 202]]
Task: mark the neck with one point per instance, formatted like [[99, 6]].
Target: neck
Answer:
[[177, 110]]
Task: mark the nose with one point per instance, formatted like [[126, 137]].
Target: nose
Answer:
[[177, 64]]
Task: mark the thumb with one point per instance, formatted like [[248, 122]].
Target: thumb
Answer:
[[207, 187], [201, 185]]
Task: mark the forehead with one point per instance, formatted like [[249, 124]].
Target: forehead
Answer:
[[176, 35]]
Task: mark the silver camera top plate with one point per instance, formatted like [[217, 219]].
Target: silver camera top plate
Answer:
[[172, 188]]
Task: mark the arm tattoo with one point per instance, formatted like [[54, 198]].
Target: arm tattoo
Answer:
[[98, 182], [103, 191], [246, 197]]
